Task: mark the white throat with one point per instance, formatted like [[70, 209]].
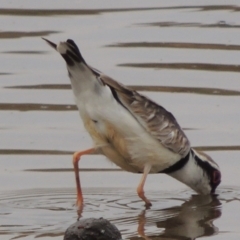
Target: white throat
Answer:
[[193, 176]]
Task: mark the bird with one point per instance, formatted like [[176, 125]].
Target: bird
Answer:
[[132, 131]]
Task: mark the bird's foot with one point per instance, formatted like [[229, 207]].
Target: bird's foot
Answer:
[[148, 204], [79, 206]]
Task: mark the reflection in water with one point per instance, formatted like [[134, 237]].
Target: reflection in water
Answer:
[[71, 170], [47, 212], [24, 52], [193, 219], [36, 107], [195, 90], [33, 152], [188, 66], [62, 152], [17, 34], [146, 88], [52, 12], [220, 24], [212, 46], [43, 86], [5, 73], [217, 148]]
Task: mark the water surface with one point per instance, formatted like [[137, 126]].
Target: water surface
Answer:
[[185, 56]]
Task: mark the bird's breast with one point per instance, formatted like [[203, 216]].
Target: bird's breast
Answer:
[[129, 151], [111, 143]]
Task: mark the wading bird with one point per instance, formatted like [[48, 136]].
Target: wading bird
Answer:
[[132, 131]]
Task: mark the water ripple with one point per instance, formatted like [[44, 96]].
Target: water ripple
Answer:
[[18, 34], [188, 66], [220, 24], [186, 45], [65, 152], [146, 88], [60, 12], [48, 212]]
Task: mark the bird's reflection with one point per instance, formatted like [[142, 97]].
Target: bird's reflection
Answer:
[[193, 219]]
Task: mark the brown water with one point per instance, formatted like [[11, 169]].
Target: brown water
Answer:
[[184, 56]]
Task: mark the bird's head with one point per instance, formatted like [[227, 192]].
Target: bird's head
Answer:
[[200, 173], [210, 171]]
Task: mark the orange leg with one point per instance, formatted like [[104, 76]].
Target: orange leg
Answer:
[[76, 158], [140, 190]]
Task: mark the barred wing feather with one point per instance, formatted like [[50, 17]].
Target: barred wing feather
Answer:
[[155, 119]]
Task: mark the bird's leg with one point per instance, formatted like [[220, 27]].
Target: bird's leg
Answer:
[[140, 190], [76, 158]]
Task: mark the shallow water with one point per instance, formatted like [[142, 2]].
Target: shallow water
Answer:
[[185, 56]]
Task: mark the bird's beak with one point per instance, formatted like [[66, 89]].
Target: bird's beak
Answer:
[[53, 45]]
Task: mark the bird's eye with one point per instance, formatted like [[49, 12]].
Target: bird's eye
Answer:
[[216, 177]]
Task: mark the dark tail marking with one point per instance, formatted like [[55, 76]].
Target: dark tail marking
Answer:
[[73, 56], [76, 55], [68, 60]]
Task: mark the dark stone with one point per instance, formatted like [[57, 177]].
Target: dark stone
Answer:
[[92, 229]]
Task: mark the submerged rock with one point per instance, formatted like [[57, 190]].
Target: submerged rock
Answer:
[[92, 229]]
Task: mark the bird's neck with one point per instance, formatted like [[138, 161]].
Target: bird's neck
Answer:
[[83, 80], [193, 175]]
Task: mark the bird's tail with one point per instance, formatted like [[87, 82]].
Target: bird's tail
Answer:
[[69, 51]]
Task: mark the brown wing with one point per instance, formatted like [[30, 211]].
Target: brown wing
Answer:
[[160, 123]]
